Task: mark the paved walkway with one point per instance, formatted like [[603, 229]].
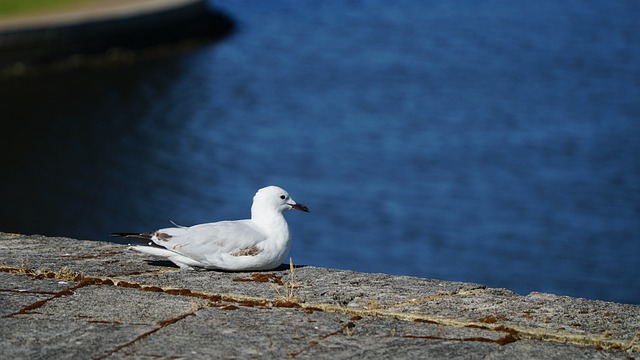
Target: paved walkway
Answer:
[[95, 10], [67, 298]]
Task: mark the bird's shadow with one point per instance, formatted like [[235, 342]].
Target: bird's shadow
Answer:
[[166, 263], [283, 267], [161, 263]]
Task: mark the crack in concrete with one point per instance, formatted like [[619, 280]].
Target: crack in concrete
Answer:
[[515, 332], [345, 328], [28, 309], [507, 339], [521, 332], [415, 301], [161, 324]]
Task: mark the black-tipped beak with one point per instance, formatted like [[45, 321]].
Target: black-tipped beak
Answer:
[[299, 207]]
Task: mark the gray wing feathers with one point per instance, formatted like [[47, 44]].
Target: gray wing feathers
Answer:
[[200, 239]]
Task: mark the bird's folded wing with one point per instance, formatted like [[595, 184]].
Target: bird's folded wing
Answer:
[[200, 241]]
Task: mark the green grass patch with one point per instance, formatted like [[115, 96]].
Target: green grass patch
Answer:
[[24, 7]]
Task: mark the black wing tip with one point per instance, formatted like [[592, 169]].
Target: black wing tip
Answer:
[[143, 236], [120, 234]]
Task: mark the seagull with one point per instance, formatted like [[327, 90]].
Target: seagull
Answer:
[[259, 243]]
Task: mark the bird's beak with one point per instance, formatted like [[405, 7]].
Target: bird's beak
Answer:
[[299, 207]]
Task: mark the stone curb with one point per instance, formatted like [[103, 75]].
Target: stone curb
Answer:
[[67, 297]]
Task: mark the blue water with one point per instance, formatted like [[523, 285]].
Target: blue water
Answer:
[[482, 141]]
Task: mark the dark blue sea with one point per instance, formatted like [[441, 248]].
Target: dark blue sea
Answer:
[[492, 141]]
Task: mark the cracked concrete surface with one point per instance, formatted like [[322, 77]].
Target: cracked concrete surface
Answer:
[[68, 298]]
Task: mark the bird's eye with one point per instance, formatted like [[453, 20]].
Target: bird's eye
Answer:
[[282, 197]]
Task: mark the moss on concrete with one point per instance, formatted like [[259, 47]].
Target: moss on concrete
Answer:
[[12, 8]]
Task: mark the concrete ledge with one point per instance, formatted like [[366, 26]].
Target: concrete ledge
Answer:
[[117, 25], [88, 299]]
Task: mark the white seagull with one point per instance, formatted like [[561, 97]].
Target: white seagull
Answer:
[[259, 243]]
